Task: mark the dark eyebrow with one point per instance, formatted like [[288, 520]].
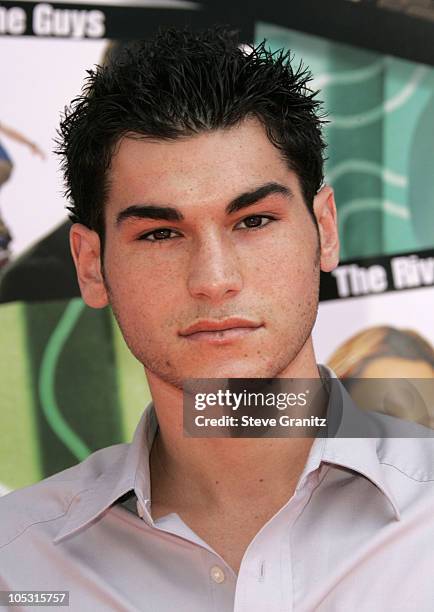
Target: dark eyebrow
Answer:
[[251, 197], [169, 213], [149, 211]]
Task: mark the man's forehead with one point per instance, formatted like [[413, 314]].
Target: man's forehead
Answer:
[[221, 165]]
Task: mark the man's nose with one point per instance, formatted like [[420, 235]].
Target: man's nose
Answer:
[[214, 270]]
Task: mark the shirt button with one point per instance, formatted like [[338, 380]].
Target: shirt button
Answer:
[[217, 574]]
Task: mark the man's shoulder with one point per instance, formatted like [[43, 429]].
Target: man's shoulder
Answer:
[[50, 499]]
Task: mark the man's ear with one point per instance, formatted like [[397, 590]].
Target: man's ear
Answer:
[[86, 253], [324, 208]]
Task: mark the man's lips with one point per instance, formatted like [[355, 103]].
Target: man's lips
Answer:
[[220, 331]]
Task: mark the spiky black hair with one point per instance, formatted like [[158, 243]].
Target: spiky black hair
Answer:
[[179, 84]]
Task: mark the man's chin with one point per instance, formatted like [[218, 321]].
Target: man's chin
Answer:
[[180, 370]]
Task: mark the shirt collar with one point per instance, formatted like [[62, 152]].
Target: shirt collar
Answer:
[[356, 453], [129, 472], [131, 469]]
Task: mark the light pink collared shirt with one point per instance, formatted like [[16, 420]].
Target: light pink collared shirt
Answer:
[[357, 535]]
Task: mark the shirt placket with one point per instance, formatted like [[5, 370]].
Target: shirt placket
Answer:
[[265, 578]]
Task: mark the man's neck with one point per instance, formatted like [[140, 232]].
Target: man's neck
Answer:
[[217, 472]]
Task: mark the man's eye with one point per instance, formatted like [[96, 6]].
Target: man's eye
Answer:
[[159, 235], [255, 221], [164, 234]]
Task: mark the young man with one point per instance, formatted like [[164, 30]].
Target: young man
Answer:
[[195, 173]]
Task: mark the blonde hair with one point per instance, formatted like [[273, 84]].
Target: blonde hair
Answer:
[[381, 341]]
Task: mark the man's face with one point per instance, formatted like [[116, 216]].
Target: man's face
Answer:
[[258, 262]]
